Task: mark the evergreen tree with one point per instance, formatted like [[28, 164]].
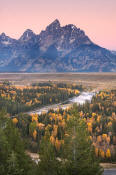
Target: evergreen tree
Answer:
[[13, 159], [49, 164], [78, 151], [13, 166]]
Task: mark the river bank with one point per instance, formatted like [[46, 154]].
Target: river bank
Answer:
[[109, 168], [81, 99], [111, 171], [108, 165]]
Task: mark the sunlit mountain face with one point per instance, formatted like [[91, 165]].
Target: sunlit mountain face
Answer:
[[56, 49]]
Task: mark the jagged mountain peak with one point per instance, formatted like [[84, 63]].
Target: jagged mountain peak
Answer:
[[3, 36], [73, 29], [6, 41], [64, 38], [27, 35], [29, 31], [57, 48], [54, 25], [71, 26], [56, 21]]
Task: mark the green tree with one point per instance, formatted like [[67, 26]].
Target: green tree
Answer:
[[49, 164], [13, 159], [114, 127], [78, 151], [13, 167]]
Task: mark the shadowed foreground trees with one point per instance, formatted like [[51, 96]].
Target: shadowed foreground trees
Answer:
[[76, 156], [13, 160]]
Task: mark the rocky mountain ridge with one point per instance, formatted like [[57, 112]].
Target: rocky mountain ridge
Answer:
[[56, 49]]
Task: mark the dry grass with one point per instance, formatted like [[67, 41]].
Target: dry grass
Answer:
[[95, 80]]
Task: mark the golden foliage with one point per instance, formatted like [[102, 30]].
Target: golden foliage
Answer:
[[15, 121], [34, 134], [93, 114], [108, 153], [102, 154], [98, 118], [40, 126], [34, 117], [104, 136], [99, 139], [57, 144], [52, 140], [96, 152], [109, 124]]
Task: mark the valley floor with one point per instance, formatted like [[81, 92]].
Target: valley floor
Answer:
[[97, 81]]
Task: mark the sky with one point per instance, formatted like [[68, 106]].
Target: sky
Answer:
[[96, 17]]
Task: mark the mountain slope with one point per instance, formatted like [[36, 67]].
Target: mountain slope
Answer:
[[57, 49]]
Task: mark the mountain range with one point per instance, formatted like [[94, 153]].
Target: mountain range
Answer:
[[56, 49]]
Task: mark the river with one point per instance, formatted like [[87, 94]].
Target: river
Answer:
[[110, 171], [81, 99]]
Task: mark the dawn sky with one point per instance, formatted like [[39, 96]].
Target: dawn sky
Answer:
[[96, 17]]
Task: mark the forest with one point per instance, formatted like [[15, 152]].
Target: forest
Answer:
[[71, 141], [18, 99], [99, 116], [74, 154]]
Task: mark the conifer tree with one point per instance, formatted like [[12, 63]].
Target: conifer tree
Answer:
[[78, 150]]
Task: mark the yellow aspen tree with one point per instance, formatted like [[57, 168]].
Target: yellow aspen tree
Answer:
[[68, 117], [108, 153], [57, 144], [102, 154], [90, 138], [96, 152], [52, 140], [35, 117], [98, 118], [89, 127], [40, 126], [104, 136], [34, 134], [109, 124], [81, 114], [93, 114], [113, 114], [108, 139], [59, 117], [15, 121], [8, 96]]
